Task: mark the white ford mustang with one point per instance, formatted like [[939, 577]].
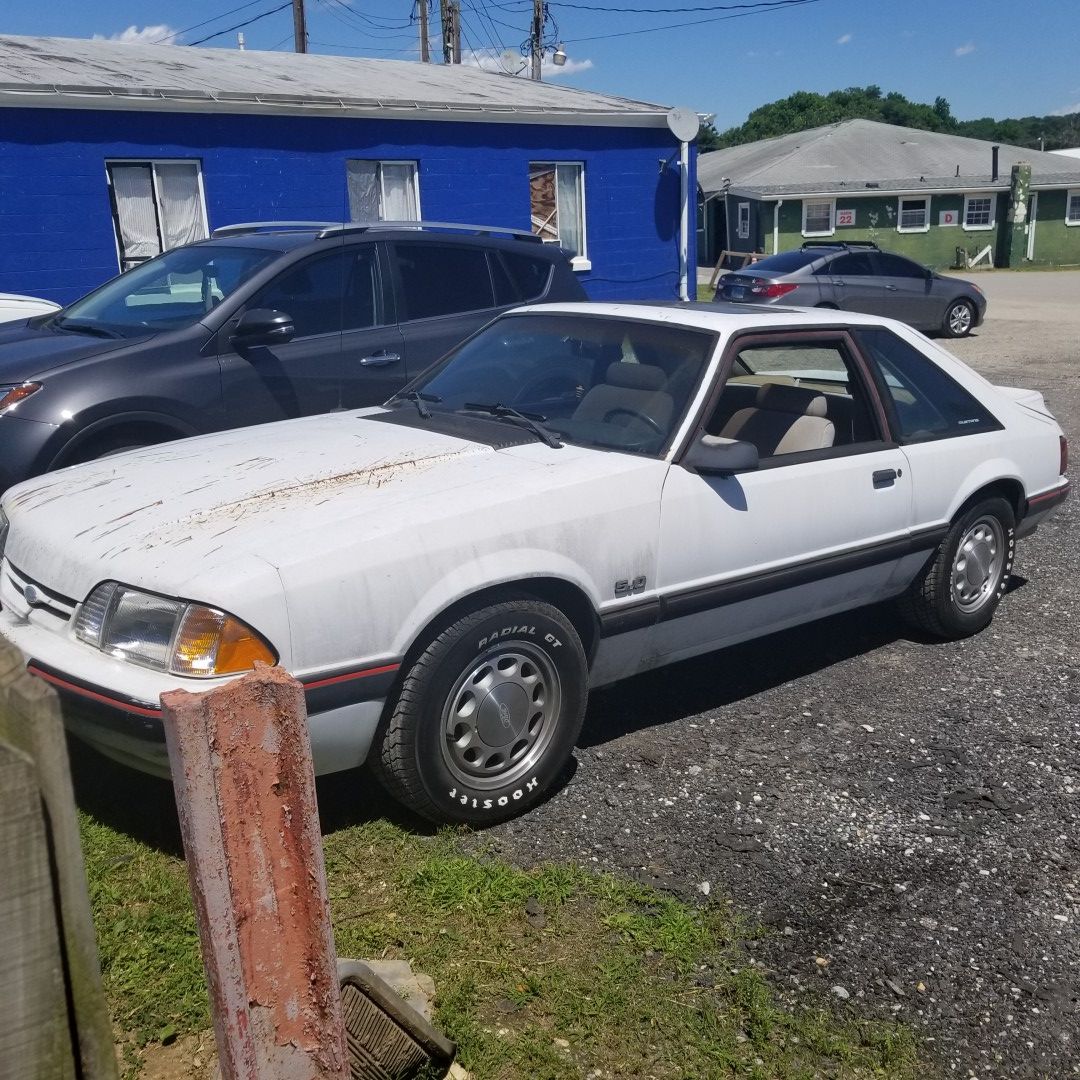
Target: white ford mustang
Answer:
[[576, 494]]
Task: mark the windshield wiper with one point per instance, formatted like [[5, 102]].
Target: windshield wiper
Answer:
[[533, 421], [85, 328], [418, 398]]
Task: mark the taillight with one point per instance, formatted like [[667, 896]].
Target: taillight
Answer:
[[771, 289], [1064, 443]]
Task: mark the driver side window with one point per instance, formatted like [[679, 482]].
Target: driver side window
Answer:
[[310, 292]]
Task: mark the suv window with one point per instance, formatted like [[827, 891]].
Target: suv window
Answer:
[[926, 403], [855, 264], [361, 307], [529, 274], [896, 266], [439, 279], [311, 292]]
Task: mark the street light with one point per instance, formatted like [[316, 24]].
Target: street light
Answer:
[[558, 57]]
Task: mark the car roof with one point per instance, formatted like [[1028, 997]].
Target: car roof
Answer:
[[713, 316]]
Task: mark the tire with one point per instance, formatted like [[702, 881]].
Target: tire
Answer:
[[958, 591], [454, 753], [959, 319]]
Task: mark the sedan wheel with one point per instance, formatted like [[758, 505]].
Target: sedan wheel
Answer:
[[959, 318], [486, 716]]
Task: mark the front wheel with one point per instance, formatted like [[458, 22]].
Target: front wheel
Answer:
[[959, 589], [959, 319], [487, 715]]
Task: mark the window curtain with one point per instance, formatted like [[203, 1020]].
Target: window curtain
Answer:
[[399, 192], [182, 220], [571, 234], [362, 178], [133, 192]]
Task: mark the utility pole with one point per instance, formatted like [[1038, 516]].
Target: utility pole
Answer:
[[444, 23], [299, 22], [536, 40], [455, 37], [425, 51]]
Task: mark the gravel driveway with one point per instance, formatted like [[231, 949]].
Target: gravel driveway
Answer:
[[905, 815]]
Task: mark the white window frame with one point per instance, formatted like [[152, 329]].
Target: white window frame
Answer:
[[1072, 193], [152, 162], [925, 200], [581, 260], [970, 197], [379, 163], [832, 217], [744, 221]]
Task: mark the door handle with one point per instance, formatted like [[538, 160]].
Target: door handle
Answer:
[[885, 477], [891, 288], [839, 281], [382, 359]]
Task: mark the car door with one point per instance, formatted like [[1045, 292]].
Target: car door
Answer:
[[373, 360], [303, 375], [444, 294], [848, 281], [908, 291], [822, 524]]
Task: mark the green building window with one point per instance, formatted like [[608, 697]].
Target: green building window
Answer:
[[979, 211], [1072, 207], [819, 216], [913, 215]]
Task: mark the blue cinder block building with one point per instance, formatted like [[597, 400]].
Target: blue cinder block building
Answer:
[[111, 153]]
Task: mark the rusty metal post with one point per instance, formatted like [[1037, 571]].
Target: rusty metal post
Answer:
[[245, 789]]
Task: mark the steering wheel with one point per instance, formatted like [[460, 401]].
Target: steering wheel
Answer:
[[644, 417]]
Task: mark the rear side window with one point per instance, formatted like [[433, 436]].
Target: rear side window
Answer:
[[443, 280], [857, 264], [926, 402]]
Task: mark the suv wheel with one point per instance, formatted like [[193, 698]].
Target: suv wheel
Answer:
[[959, 318], [487, 715]]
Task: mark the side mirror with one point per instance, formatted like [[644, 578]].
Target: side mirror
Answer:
[[722, 457], [263, 326]]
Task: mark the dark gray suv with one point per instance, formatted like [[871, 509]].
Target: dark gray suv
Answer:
[[859, 277], [261, 322]]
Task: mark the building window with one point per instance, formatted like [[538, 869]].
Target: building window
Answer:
[[382, 190], [156, 206], [557, 205], [744, 221], [818, 217], [1072, 207], [914, 215], [979, 211]]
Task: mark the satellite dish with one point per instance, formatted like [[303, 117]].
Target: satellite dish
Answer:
[[683, 123]]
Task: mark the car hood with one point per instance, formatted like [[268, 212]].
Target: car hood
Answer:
[[167, 516], [27, 351]]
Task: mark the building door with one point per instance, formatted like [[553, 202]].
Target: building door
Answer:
[[156, 206], [1032, 221]]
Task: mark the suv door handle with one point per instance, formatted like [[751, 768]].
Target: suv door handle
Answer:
[[382, 359], [891, 288], [885, 477]]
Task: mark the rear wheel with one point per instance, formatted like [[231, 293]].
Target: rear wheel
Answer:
[[487, 715], [959, 318], [960, 588]]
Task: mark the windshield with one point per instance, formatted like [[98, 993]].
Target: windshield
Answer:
[[172, 291], [594, 380]]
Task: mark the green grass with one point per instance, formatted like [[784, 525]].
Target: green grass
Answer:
[[637, 983]]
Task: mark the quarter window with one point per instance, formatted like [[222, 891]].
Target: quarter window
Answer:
[[157, 206], [557, 203], [926, 402], [979, 211], [382, 190], [439, 279], [519, 278], [1072, 208], [819, 217], [914, 215]]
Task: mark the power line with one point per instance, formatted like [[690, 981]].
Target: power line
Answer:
[[758, 9], [240, 26], [205, 22]]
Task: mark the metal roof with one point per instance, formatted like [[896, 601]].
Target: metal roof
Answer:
[[862, 156], [76, 73]]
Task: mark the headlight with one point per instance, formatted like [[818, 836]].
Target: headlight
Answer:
[[12, 395], [4, 526], [168, 635]]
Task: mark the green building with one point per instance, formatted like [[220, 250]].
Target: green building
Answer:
[[941, 199]]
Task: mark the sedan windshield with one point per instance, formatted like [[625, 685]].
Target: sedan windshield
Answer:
[[596, 380], [172, 291]]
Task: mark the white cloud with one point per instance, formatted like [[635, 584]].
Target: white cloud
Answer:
[[843, 39], [148, 35], [513, 63], [1068, 110], [963, 50]]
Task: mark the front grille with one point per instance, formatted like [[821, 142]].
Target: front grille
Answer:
[[41, 597]]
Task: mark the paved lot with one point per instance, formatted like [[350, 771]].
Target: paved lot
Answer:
[[904, 815]]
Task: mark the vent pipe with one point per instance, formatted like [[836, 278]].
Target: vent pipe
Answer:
[[994, 162]]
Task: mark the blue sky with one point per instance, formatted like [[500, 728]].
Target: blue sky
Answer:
[[987, 57]]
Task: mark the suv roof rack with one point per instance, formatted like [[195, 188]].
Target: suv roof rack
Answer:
[[845, 244], [324, 229]]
